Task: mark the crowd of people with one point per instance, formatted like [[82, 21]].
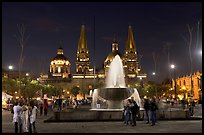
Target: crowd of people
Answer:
[[25, 112]]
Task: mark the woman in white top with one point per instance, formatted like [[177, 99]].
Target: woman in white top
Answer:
[[33, 115], [25, 118]]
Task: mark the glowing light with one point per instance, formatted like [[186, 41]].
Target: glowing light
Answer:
[[153, 73], [172, 66], [10, 67]]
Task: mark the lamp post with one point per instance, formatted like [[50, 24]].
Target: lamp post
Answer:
[[10, 67], [174, 78], [153, 73]]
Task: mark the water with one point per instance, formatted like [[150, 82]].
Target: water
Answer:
[[114, 96], [115, 77]]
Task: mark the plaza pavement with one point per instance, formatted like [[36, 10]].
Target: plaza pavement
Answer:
[[172, 126]]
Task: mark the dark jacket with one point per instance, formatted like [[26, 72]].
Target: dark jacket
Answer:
[[135, 108], [153, 106], [146, 105]]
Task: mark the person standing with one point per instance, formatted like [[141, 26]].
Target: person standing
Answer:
[[59, 104], [25, 118], [33, 115], [153, 108], [127, 113], [45, 107], [134, 111], [191, 107], [147, 110], [41, 109], [17, 117]]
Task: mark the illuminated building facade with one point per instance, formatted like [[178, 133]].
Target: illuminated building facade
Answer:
[[130, 62], [60, 65], [189, 86], [84, 77]]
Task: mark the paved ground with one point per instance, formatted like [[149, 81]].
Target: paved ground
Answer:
[[185, 126]]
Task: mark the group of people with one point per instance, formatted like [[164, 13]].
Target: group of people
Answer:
[[24, 117], [150, 107], [131, 110]]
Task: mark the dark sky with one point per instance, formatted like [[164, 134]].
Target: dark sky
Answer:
[[155, 25]]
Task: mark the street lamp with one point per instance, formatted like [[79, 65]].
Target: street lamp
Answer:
[[10, 67], [27, 74], [174, 78], [153, 73]]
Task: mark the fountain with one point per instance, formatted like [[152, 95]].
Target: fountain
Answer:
[[113, 98], [115, 94]]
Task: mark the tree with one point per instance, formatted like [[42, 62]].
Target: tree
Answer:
[[75, 90], [22, 39], [9, 86]]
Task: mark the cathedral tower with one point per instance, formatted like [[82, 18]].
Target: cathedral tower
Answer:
[[131, 55], [82, 61]]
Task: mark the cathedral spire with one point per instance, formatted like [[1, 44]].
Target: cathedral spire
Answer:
[[82, 44], [130, 44]]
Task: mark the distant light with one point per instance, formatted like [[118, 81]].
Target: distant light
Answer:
[[153, 73], [16, 92], [140, 78], [27, 74], [10, 67], [173, 66], [200, 52]]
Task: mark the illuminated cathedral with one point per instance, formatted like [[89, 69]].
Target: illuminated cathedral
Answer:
[[84, 75]]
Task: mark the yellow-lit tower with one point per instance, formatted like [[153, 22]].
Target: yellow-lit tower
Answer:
[[131, 55], [82, 61]]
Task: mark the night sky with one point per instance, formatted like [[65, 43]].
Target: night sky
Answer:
[[155, 26]]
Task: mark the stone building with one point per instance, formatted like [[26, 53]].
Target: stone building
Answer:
[[189, 86]]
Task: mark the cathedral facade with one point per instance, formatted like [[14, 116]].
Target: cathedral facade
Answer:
[[85, 76]]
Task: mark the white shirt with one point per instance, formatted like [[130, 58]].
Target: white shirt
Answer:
[[17, 113], [25, 120], [33, 115]]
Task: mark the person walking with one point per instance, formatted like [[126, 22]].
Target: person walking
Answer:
[[153, 108], [33, 115], [147, 110], [17, 110]]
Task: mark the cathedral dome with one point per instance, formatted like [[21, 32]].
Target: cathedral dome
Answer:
[[60, 57]]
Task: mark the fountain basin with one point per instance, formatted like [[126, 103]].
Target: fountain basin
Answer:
[[115, 94]]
